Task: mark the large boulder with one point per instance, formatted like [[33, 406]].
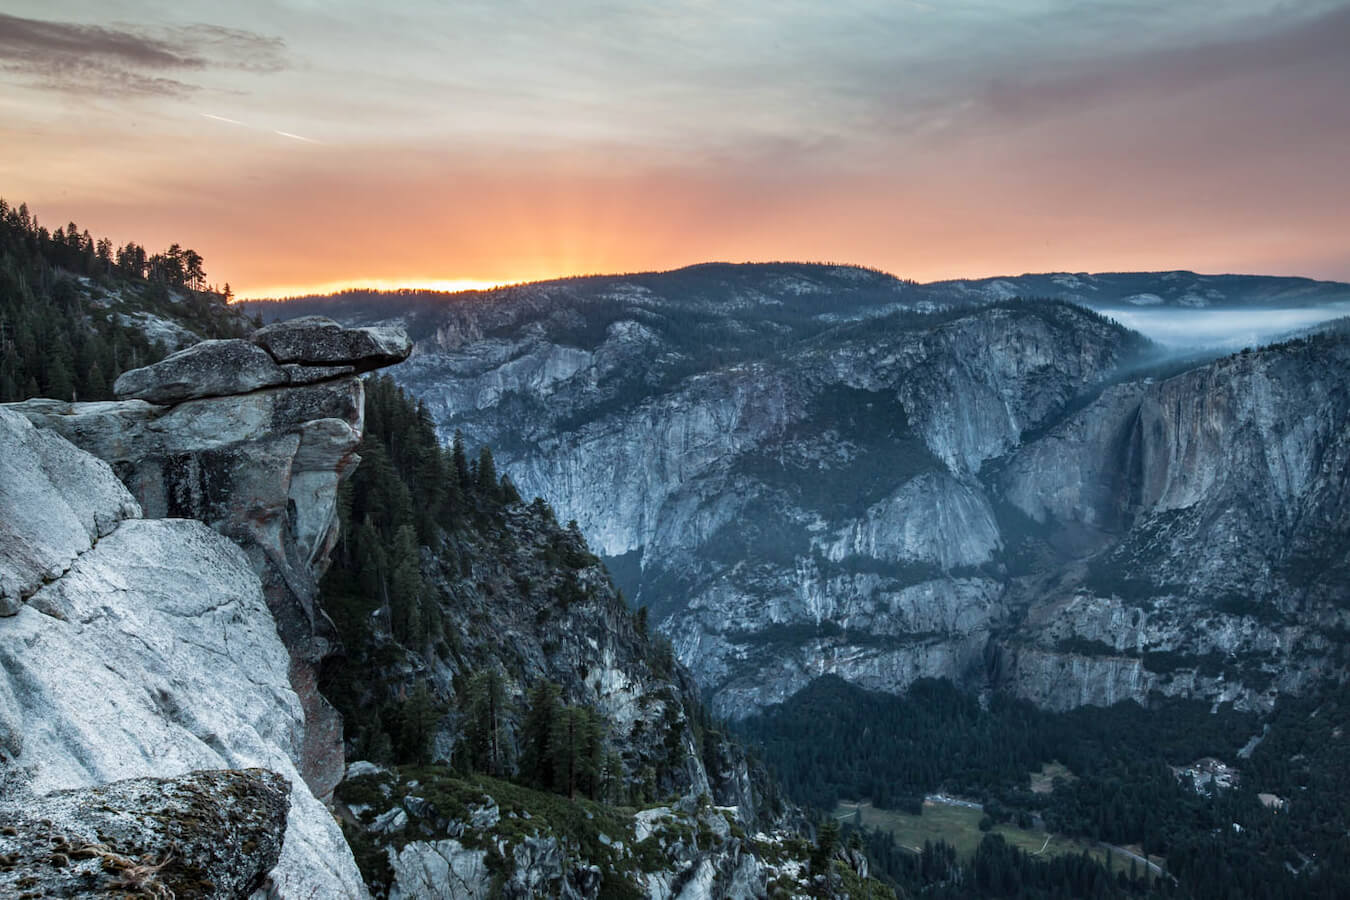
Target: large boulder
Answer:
[[302, 374], [319, 341], [205, 834], [208, 369]]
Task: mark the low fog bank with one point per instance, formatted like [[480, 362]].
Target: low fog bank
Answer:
[[1226, 329]]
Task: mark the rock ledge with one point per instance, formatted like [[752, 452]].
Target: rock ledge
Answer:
[[299, 351]]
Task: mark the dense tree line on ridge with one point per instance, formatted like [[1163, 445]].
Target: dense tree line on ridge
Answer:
[[60, 335], [408, 494]]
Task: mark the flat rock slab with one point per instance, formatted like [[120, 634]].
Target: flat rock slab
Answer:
[[319, 341], [208, 369], [203, 834]]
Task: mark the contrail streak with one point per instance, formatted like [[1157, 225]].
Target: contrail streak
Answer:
[[297, 137], [285, 134]]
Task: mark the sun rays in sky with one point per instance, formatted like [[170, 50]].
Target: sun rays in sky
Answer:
[[300, 147]]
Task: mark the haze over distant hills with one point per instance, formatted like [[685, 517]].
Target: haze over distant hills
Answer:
[[1176, 308], [1183, 309]]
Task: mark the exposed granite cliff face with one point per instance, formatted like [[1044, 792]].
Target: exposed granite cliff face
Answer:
[[802, 498], [257, 454], [1221, 501], [156, 646], [151, 653], [79, 501], [804, 470]]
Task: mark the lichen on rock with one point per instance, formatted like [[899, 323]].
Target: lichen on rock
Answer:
[[207, 369], [319, 341], [206, 834]]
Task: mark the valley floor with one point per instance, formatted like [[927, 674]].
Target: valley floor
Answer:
[[957, 822]]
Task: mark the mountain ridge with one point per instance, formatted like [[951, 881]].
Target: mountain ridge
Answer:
[[1106, 288], [658, 415]]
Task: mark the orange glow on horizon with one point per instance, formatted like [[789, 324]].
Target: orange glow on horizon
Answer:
[[343, 218], [440, 285], [332, 155]]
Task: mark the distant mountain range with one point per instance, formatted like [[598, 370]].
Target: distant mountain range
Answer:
[[1177, 309], [821, 469], [1180, 289], [861, 288]]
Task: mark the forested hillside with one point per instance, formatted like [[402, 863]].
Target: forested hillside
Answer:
[[490, 664], [75, 311], [424, 530]]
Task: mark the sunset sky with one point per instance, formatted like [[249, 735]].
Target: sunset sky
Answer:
[[311, 144]]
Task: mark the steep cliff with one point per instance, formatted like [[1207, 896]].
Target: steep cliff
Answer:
[[255, 447], [156, 646], [147, 651], [821, 512], [806, 470], [784, 467], [1219, 498]]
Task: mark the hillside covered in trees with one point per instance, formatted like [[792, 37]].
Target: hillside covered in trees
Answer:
[[487, 654], [436, 546], [75, 311]]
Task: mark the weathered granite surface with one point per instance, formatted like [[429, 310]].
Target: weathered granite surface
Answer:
[[80, 499], [319, 341], [207, 369], [809, 469], [153, 654], [259, 459], [208, 834]]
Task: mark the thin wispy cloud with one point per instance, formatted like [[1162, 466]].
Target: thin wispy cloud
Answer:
[[1264, 47], [128, 59], [527, 139]]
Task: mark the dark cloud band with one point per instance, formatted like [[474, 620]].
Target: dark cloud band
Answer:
[[128, 59]]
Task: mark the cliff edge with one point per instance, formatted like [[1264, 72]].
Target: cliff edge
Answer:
[[136, 642]]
